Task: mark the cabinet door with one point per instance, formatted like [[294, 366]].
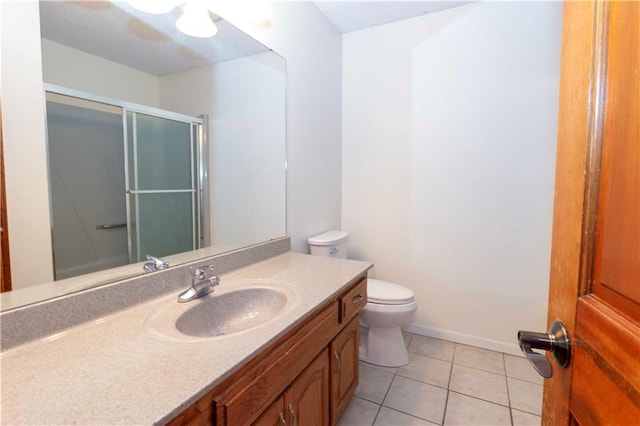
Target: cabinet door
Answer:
[[344, 368], [273, 416], [307, 399]]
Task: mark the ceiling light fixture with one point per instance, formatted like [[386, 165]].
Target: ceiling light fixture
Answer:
[[195, 20]]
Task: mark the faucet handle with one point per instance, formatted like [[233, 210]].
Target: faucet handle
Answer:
[[155, 264], [200, 273]]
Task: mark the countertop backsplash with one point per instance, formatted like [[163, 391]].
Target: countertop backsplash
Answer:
[[32, 322]]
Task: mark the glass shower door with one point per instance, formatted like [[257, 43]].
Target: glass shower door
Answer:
[[162, 200], [87, 186]]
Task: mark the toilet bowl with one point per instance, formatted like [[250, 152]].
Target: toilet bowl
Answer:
[[388, 307]]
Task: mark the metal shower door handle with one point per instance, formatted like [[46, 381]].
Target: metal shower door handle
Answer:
[[555, 341]]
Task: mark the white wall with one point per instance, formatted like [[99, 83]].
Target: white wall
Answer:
[[245, 101], [449, 128], [79, 70], [24, 146], [313, 50]]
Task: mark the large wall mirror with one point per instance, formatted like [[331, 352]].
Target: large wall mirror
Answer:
[[151, 141]]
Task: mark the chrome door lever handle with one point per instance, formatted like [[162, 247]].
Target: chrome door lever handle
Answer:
[[555, 341]]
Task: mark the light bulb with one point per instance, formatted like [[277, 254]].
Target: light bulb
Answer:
[[153, 6], [195, 20]]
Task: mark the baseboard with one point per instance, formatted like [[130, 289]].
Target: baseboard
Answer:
[[466, 339]]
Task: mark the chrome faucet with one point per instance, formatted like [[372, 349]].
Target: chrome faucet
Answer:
[[155, 264], [201, 284]]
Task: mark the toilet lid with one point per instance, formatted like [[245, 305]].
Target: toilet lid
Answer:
[[387, 293]]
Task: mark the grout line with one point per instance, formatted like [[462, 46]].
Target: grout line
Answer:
[[446, 402], [377, 414], [506, 381]]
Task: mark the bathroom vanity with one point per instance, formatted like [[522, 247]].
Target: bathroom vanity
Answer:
[[299, 367], [306, 377]]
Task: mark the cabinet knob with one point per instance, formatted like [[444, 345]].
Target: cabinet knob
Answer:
[[281, 420], [336, 355]]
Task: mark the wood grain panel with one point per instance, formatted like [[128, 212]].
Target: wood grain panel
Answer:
[[617, 260], [614, 341], [601, 404], [272, 416], [571, 154], [307, 400]]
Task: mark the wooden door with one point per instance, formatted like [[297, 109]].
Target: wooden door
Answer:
[[307, 399], [5, 269], [272, 416], [595, 264], [344, 368]]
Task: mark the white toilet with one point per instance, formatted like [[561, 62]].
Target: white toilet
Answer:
[[388, 306]]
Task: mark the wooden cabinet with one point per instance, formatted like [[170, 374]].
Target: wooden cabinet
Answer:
[[305, 402], [306, 378], [344, 368], [307, 399]]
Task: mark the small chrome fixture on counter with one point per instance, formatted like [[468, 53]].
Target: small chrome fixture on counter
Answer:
[[155, 264], [201, 284]]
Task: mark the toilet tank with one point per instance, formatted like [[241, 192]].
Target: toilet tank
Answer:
[[331, 244]]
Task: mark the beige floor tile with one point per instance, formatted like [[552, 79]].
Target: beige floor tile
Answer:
[[468, 411], [359, 412], [373, 383], [407, 338], [482, 359], [525, 396], [389, 417], [390, 370], [521, 418], [434, 348], [417, 399], [519, 368], [426, 369], [480, 384]]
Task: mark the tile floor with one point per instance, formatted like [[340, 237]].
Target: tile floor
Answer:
[[447, 383]]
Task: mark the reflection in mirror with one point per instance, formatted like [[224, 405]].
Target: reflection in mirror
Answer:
[[196, 134], [123, 181]]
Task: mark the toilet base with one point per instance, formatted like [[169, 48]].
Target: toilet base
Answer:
[[383, 346]]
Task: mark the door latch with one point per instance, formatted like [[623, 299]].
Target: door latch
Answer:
[[555, 341]]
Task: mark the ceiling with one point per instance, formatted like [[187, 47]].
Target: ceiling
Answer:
[[150, 43], [352, 15]]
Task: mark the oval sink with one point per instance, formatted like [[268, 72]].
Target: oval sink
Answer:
[[230, 312], [235, 306]]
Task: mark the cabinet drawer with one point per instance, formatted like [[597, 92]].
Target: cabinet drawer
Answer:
[[255, 391], [353, 301]]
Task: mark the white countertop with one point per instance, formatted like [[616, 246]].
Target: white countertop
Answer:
[[114, 371]]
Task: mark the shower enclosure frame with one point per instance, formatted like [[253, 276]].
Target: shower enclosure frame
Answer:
[[199, 145]]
